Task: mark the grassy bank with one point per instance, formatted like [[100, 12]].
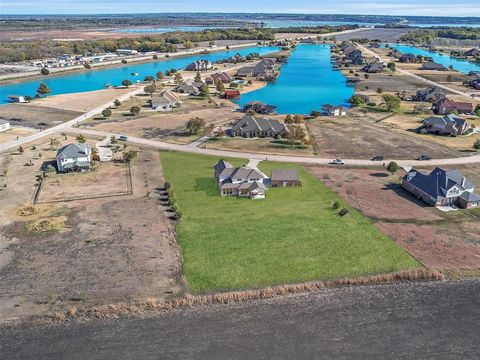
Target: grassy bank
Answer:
[[294, 235]]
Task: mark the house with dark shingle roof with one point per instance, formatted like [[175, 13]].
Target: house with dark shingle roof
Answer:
[[429, 94], [285, 178], [199, 65], [240, 182], [450, 125], [264, 70], [447, 106], [374, 67], [442, 188], [189, 87], [74, 157], [430, 65], [251, 126]]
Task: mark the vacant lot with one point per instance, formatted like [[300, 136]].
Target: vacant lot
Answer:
[[84, 252], [357, 137], [262, 146], [387, 35], [13, 133], [105, 179], [164, 126], [39, 117], [440, 240], [293, 235]]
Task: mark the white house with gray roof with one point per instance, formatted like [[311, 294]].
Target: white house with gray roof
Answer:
[[4, 125], [74, 157], [442, 188], [241, 181], [167, 101]]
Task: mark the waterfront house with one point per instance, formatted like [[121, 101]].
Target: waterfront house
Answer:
[[259, 108], [251, 126], [472, 52], [442, 188], [474, 74], [223, 77], [167, 101], [16, 99], [408, 58], [475, 84], [447, 106], [231, 94], [74, 157], [199, 65], [430, 94], [263, 70], [284, 178], [126, 52], [240, 182], [450, 125], [374, 67], [430, 65], [4, 125], [330, 110]]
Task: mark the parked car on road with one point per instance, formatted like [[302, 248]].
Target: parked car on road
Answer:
[[378, 158], [424, 157], [122, 138], [337, 162]]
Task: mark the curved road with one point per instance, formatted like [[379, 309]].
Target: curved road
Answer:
[[438, 320]]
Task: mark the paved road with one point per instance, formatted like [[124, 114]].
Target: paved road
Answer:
[[418, 77], [403, 321]]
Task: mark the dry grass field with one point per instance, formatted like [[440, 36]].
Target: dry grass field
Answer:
[[15, 132]]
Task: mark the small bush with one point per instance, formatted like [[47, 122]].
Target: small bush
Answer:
[[167, 185], [343, 212], [335, 205]]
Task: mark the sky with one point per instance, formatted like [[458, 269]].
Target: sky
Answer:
[[370, 7]]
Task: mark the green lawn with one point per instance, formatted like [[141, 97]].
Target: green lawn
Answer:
[[293, 235]]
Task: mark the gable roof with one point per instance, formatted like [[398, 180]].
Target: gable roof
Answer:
[[221, 165], [72, 151], [284, 175], [166, 98], [251, 123]]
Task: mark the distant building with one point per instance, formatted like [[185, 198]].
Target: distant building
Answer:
[[285, 178], [264, 70], [430, 65], [16, 99], [259, 108], [442, 188], [241, 182], [472, 52], [330, 110], [74, 157], [374, 67], [231, 94], [408, 58], [450, 125], [165, 102], [4, 125], [189, 87], [430, 94], [250, 126], [199, 65], [223, 77], [474, 84], [126, 52], [447, 106]]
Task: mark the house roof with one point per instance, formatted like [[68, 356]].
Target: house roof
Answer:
[[221, 165], [72, 151], [470, 197], [462, 106], [438, 182], [284, 175], [432, 65], [2, 122], [449, 119], [167, 98], [251, 123]]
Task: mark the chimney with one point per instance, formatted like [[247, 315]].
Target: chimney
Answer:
[[464, 180]]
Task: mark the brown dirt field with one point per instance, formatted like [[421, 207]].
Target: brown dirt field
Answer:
[[439, 240], [164, 126], [107, 179], [81, 102], [357, 136], [13, 133], [39, 117], [262, 146], [108, 250]]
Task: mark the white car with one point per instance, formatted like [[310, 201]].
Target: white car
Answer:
[[337, 162]]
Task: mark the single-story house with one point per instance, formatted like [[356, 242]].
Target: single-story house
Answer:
[[408, 58], [285, 178], [199, 65], [259, 108], [189, 87], [475, 84], [429, 94], [474, 73], [430, 65], [74, 157], [4, 125], [330, 110], [472, 52], [223, 77], [447, 106], [241, 181], [250, 127], [450, 125], [165, 102], [442, 188], [16, 99], [374, 67], [263, 70]]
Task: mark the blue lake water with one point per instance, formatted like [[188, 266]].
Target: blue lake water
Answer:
[[96, 79], [305, 83], [463, 66]]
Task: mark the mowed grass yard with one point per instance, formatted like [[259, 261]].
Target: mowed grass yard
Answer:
[[293, 235]]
